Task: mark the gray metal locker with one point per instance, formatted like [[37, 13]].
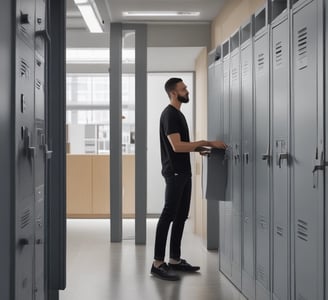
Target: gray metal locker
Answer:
[[281, 152], [262, 157], [246, 61], [307, 150], [225, 207], [325, 110], [213, 176], [236, 166], [23, 40]]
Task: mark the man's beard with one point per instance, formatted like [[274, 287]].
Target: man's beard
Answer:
[[183, 99]]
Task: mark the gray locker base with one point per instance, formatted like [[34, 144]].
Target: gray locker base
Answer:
[[248, 286], [261, 292], [236, 275], [225, 266]]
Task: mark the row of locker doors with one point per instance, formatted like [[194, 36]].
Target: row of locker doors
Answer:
[[266, 103]]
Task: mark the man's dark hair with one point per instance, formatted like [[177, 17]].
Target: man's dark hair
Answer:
[[171, 84]]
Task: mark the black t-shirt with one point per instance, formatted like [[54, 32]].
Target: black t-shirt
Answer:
[[173, 121]]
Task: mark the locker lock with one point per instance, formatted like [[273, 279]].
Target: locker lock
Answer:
[[24, 18], [27, 143], [23, 242], [281, 157]]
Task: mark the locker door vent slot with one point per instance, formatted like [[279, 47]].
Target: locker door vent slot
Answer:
[[278, 55], [25, 218], [302, 48], [261, 274], [302, 230], [234, 74], [260, 62], [245, 70], [38, 84], [23, 30], [24, 68], [280, 231]]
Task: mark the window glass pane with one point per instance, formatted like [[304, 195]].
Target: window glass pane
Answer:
[[88, 113]]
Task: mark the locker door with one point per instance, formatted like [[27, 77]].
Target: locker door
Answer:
[[40, 143], [262, 163], [307, 187], [213, 103], [226, 206], [248, 281], [219, 96], [236, 166], [24, 159], [280, 131]]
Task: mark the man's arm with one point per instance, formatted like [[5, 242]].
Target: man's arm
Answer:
[[181, 146]]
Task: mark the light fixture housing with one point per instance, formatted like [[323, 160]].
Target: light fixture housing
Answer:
[[90, 14], [161, 13]]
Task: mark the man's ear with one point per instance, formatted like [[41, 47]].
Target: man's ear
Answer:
[[173, 94]]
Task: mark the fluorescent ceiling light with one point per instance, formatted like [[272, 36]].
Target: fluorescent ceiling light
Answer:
[[90, 14], [161, 13]]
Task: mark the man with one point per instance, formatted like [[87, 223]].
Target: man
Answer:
[[176, 170]]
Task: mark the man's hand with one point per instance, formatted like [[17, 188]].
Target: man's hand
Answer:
[[218, 144]]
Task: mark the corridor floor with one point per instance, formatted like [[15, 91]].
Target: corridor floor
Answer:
[[100, 270]]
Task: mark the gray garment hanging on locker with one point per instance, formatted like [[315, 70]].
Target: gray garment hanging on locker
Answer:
[[216, 175]]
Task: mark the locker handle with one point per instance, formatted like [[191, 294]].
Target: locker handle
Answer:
[[47, 152], [265, 157], [320, 167], [237, 157], [44, 34], [27, 144], [246, 157], [281, 157]]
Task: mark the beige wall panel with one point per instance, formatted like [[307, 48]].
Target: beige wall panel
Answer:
[[101, 186], [128, 175], [79, 184], [199, 205], [232, 15]]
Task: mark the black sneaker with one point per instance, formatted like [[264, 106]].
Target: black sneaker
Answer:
[[163, 272], [183, 266]]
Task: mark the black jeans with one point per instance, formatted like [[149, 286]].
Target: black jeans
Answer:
[[176, 210]]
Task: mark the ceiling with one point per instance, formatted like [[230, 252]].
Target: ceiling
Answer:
[[111, 10], [161, 58]]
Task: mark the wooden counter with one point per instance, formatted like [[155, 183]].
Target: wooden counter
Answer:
[[88, 188]]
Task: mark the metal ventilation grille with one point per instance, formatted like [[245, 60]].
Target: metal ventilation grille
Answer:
[[260, 274], [279, 54], [260, 62], [24, 68], [280, 231], [38, 84], [234, 74], [23, 30], [25, 218], [302, 230], [245, 70], [302, 48]]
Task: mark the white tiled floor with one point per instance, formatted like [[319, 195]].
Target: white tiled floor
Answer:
[[100, 270]]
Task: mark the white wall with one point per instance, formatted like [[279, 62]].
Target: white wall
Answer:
[[157, 101]]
